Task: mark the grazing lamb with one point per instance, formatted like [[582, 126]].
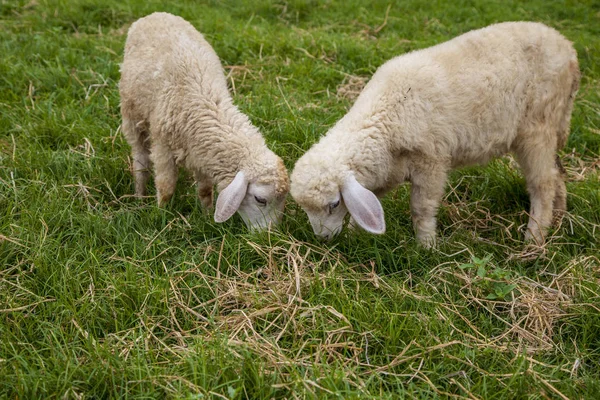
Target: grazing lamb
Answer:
[[177, 111], [505, 88]]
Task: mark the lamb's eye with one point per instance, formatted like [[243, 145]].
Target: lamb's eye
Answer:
[[260, 200], [333, 206]]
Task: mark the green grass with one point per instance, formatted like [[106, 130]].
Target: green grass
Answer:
[[105, 296]]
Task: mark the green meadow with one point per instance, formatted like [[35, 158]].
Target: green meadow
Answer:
[[103, 295]]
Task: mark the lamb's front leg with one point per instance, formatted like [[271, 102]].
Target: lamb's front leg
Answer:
[[165, 173], [140, 153], [205, 189], [427, 190]]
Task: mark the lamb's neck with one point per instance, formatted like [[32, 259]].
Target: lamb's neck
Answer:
[[224, 143], [367, 155]]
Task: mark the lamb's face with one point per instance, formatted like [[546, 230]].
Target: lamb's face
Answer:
[[326, 203], [264, 202], [327, 221], [320, 197], [259, 198], [262, 206]]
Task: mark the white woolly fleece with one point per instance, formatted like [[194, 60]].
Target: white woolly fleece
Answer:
[[177, 111], [505, 88]]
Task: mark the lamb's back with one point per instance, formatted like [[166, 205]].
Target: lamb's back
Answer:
[[165, 56], [465, 98]]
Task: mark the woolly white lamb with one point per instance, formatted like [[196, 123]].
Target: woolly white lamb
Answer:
[[177, 111], [505, 88]]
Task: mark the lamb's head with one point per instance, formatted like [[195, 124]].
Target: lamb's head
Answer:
[[327, 192], [257, 193]]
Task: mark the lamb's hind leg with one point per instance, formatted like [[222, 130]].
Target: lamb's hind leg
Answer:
[[137, 139], [541, 175], [428, 182], [205, 189], [560, 191]]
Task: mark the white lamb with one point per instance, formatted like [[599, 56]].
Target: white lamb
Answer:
[[506, 88], [177, 111]]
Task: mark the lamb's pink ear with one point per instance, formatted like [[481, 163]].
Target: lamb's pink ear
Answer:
[[231, 197], [364, 206]]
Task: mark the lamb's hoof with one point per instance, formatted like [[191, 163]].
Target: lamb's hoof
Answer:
[[140, 191], [534, 236], [427, 241], [163, 200], [557, 217]]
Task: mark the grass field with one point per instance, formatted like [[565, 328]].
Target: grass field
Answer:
[[102, 295]]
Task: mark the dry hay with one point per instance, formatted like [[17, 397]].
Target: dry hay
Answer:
[[260, 309], [580, 168], [351, 87], [272, 314], [268, 312], [263, 308], [530, 312]]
